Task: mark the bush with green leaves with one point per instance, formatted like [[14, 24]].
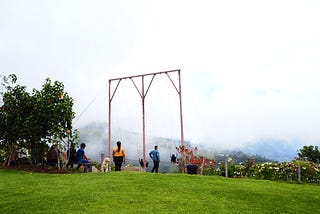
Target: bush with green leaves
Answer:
[[285, 171]]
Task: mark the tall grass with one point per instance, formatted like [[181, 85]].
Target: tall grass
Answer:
[[134, 192]]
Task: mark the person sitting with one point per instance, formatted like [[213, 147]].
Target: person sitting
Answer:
[[52, 156], [173, 159], [82, 159], [141, 163]]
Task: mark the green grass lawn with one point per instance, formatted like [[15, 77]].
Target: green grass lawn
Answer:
[[135, 192]]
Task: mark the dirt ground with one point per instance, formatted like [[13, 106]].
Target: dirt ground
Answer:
[[55, 170], [40, 169]]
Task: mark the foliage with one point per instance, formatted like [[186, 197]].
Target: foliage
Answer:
[[190, 155], [239, 157], [310, 153], [13, 114], [285, 171], [137, 192], [33, 121]]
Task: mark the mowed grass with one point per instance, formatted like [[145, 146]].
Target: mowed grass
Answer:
[[136, 192]]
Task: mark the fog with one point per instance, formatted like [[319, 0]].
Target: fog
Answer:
[[249, 69]]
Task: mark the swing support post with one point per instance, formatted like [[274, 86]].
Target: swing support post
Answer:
[[143, 94]]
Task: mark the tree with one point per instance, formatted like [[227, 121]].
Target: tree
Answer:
[[310, 153], [34, 121], [52, 119], [13, 114]]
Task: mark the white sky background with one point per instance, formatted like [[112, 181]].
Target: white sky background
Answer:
[[249, 69]]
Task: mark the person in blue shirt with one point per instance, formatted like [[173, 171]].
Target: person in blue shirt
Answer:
[[155, 156], [82, 159]]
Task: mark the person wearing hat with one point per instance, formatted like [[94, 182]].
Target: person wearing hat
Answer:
[[82, 159], [119, 156]]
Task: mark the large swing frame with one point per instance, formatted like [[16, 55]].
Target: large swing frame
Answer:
[[143, 94]]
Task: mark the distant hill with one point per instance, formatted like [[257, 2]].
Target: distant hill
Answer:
[[279, 150]]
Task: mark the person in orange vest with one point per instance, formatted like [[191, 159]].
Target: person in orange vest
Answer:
[[119, 156]]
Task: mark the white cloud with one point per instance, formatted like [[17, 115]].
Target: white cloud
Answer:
[[249, 69]]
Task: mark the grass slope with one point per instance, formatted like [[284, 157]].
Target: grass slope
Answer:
[[134, 192]]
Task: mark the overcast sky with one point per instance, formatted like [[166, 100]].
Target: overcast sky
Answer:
[[249, 69]]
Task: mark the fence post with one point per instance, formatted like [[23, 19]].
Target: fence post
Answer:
[[299, 173], [226, 166], [102, 157], [202, 165]]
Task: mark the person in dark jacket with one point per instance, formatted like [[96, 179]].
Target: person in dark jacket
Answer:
[[52, 156]]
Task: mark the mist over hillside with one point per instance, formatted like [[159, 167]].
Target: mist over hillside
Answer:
[[95, 135], [275, 149]]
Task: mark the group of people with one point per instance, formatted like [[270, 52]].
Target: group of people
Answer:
[[75, 157], [118, 154], [119, 157]]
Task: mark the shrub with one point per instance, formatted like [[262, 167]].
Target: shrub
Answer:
[[285, 171]]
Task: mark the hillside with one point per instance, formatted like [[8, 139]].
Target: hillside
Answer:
[[279, 150]]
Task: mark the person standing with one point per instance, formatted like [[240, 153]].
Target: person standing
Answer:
[[155, 156], [72, 154], [119, 156]]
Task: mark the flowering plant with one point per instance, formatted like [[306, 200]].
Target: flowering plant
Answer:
[[189, 155]]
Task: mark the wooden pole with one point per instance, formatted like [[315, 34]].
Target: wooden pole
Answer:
[[143, 126], [109, 122], [181, 124]]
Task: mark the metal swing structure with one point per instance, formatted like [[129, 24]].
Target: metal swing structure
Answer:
[[143, 93]]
